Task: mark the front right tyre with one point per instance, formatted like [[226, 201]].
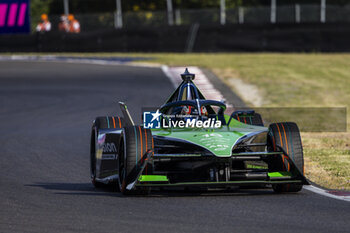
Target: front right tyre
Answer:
[[285, 135]]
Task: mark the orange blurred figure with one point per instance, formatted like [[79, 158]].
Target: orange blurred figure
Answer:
[[74, 25], [44, 25]]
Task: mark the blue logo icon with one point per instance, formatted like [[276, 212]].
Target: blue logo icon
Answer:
[[151, 120]]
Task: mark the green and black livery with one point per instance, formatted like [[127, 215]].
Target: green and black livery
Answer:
[[242, 152]]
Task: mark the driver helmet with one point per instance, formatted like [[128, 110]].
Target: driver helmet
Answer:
[[186, 110], [189, 110], [204, 111]]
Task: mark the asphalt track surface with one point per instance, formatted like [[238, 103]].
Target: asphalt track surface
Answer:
[[46, 110]]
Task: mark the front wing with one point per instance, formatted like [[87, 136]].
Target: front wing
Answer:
[[294, 176]]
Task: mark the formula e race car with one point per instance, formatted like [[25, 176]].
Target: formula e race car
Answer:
[[191, 142]]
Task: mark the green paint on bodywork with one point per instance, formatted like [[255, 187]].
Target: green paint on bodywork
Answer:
[[153, 178], [218, 141], [279, 174]]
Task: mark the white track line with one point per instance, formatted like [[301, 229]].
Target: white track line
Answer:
[[326, 193], [167, 73]]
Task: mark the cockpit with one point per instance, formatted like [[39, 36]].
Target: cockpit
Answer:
[[188, 102]]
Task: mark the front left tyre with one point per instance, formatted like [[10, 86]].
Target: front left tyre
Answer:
[[135, 144], [106, 122]]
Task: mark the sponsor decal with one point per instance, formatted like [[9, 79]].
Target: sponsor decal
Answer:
[[215, 141], [14, 16], [109, 148], [151, 120], [191, 123], [156, 120]]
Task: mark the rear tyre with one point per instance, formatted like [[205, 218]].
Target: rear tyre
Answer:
[[287, 136], [100, 123], [254, 119], [135, 143]]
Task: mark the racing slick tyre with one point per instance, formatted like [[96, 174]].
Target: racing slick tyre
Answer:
[[287, 136], [255, 119], [106, 122], [135, 145]]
